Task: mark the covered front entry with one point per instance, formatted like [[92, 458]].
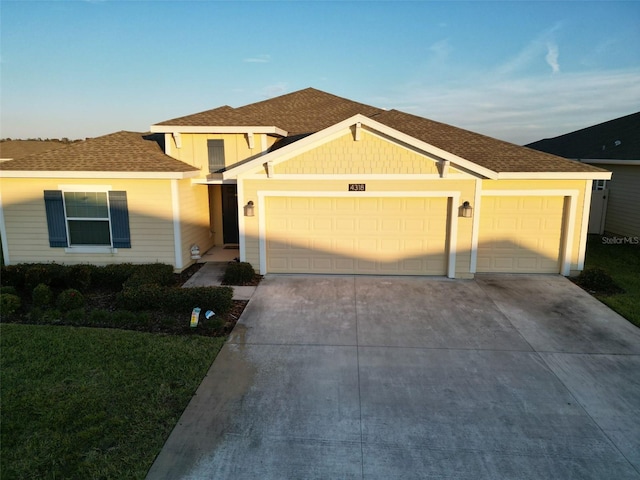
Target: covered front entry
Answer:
[[520, 234], [230, 214], [356, 235]]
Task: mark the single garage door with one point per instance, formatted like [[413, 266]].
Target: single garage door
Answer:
[[520, 234], [359, 235]]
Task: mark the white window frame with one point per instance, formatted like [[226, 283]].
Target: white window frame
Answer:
[[80, 248]]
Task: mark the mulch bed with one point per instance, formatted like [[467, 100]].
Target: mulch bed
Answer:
[[151, 321]]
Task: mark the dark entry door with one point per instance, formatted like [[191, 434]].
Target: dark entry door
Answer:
[[230, 214]]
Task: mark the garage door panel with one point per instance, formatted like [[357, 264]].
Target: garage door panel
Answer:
[[520, 234], [356, 235]]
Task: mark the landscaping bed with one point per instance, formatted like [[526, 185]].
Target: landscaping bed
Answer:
[[144, 298]]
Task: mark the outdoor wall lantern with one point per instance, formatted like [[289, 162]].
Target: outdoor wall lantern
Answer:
[[248, 209], [195, 252], [466, 210]]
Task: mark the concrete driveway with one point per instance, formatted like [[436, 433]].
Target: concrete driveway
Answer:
[[333, 377]]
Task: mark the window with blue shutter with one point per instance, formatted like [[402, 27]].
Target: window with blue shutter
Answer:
[[216, 155], [119, 219], [56, 222], [87, 219]]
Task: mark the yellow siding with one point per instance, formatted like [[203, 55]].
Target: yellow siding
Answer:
[[150, 221], [194, 149], [371, 154], [194, 219]]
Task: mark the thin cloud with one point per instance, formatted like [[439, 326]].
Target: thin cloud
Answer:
[[529, 54], [258, 59], [526, 109], [274, 90], [440, 50], [552, 57]]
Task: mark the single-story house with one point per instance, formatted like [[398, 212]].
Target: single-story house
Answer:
[[614, 146], [307, 182]]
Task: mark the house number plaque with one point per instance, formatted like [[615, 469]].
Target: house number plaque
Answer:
[[357, 187]]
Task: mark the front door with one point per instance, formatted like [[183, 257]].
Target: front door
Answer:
[[230, 232]]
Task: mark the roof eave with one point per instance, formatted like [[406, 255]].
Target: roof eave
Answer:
[[269, 130], [97, 175], [603, 175], [603, 161]]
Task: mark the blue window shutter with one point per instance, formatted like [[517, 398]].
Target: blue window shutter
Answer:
[[119, 219], [55, 218]]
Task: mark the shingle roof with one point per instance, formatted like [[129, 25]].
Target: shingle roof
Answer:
[[116, 152], [21, 148], [304, 111], [617, 139], [310, 110], [488, 152]]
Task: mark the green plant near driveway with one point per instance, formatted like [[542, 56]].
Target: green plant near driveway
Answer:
[[82, 403], [622, 262]]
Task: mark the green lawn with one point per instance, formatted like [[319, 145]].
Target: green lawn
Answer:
[[83, 403], [622, 262]]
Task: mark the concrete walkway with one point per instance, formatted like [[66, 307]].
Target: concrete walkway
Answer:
[[211, 274], [338, 377]]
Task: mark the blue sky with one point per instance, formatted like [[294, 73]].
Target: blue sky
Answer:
[[517, 70]]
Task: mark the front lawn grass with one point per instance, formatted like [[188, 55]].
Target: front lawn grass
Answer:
[[80, 403], [622, 262]]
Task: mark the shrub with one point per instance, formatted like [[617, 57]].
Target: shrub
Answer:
[[238, 273], [153, 273], [9, 289], [9, 303], [42, 295], [13, 275], [70, 299], [79, 277], [76, 316], [39, 315], [597, 280], [143, 297], [51, 274], [173, 299], [112, 277], [99, 317]]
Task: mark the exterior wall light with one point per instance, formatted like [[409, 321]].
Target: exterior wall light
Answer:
[[466, 210], [249, 210], [195, 252]]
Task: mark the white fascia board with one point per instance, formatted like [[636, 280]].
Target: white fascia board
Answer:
[[611, 162], [554, 176], [272, 130], [213, 181], [96, 175], [334, 131]]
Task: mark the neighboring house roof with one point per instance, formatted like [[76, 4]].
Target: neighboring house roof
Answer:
[[617, 139], [13, 149], [116, 152], [309, 111]]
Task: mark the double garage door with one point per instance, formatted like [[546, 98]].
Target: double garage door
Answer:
[[361, 235], [408, 236]]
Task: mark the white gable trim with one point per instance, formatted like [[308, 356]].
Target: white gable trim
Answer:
[[339, 129]]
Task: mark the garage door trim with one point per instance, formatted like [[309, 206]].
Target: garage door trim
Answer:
[[452, 215], [568, 223]]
